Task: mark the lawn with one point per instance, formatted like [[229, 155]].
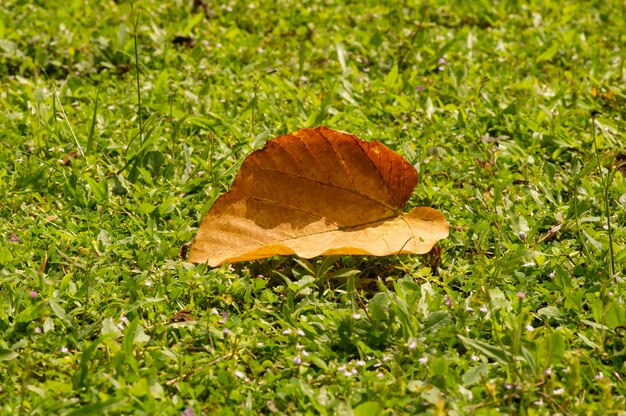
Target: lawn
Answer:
[[122, 123]]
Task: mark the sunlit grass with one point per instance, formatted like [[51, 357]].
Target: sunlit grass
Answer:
[[512, 114]]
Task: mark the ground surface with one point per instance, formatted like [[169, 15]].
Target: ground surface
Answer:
[[512, 113]]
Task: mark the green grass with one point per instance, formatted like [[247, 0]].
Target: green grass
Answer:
[[512, 113]]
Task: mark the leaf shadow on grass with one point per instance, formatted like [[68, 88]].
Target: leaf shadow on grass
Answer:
[[333, 272]]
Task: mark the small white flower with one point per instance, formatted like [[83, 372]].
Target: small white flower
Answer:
[[357, 316], [378, 364], [287, 332], [475, 357], [484, 309], [148, 283], [64, 350], [239, 374], [226, 331], [123, 318], [347, 373], [299, 346], [565, 370], [300, 332], [529, 328], [37, 330], [215, 311], [548, 372], [251, 6], [297, 360], [599, 376], [380, 375], [469, 309], [360, 363], [354, 371], [539, 402], [558, 392], [551, 275], [304, 352], [423, 360], [259, 344], [413, 345], [231, 268]]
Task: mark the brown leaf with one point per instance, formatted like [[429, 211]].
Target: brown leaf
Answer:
[[184, 250], [317, 192], [551, 233], [182, 316], [67, 160]]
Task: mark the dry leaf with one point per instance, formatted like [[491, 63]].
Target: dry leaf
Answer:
[[317, 192], [182, 316], [184, 250], [67, 160]]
